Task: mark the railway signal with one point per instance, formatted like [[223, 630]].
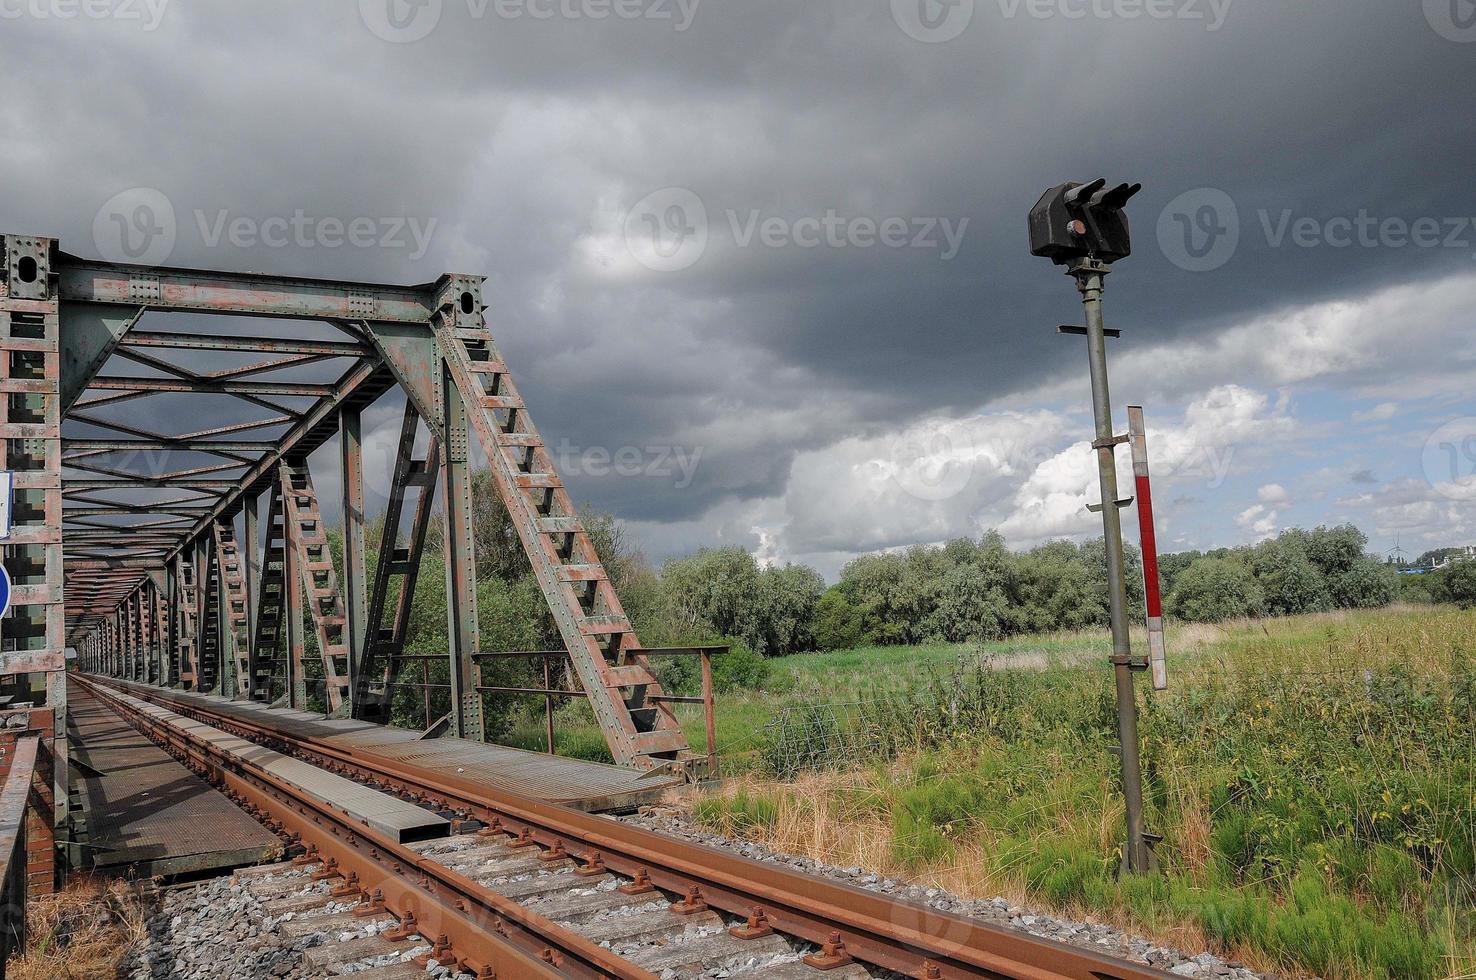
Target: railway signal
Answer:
[[1148, 537], [1083, 227]]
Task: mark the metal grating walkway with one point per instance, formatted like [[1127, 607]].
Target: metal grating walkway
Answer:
[[146, 814], [589, 786]]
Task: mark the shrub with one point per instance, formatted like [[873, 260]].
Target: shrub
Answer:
[[740, 669], [838, 625], [1215, 589]]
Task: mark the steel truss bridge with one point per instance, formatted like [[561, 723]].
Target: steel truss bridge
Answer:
[[166, 522]]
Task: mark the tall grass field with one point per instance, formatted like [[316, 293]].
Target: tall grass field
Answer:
[[1312, 777]]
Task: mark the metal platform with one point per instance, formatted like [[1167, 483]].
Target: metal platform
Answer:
[[590, 786], [400, 821], [145, 814]]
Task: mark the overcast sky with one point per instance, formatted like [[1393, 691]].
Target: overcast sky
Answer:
[[761, 269]]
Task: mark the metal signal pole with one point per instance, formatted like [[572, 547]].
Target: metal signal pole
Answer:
[[1089, 275], [1083, 227]]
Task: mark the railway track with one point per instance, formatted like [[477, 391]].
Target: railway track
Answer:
[[526, 888]]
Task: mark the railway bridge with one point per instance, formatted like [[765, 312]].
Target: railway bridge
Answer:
[[193, 681]]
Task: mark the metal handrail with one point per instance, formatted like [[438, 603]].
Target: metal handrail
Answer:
[[13, 802]]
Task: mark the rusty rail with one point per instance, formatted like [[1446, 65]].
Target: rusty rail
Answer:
[[13, 803], [489, 935], [875, 929]]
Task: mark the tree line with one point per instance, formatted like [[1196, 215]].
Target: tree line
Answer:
[[968, 590]]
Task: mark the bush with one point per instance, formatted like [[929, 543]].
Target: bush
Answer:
[[1457, 584], [838, 624], [740, 669], [1215, 589]]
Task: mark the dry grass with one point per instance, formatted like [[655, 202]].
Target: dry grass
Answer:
[[810, 823], [83, 932]]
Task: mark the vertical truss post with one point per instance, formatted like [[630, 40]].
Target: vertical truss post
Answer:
[[461, 571], [146, 619], [33, 634], [131, 606], [210, 631], [355, 570], [292, 605], [171, 605], [271, 677], [159, 586], [251, 555]]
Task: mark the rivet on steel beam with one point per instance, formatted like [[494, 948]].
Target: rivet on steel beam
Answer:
[[757, 927], [551, 956], [931, 971]]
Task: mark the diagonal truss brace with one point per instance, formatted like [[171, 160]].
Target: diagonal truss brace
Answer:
[[237, 653], [396, 573], [308, 541], [627, 699]]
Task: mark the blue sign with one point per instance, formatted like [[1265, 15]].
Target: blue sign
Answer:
[[4, 591]]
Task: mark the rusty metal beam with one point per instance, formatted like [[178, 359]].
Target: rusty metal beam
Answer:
[[248, 294]]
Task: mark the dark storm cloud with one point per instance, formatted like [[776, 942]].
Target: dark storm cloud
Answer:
[[526, 140]]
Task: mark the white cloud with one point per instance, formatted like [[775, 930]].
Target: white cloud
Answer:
[[1273, 493], [1415, 512], [1376, 342], [1258, 520], [1217, 426], [1381, 412]]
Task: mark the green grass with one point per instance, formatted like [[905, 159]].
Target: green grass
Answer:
[[1313, 778]]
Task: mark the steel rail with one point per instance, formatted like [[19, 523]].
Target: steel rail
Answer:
[[489, 935], [876, 929]]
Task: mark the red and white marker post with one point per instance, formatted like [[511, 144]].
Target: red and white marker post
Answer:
[[1152, 600]]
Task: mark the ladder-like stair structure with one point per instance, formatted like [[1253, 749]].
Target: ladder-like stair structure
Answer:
[[211, 665], [602, 645], [270, 669], [187, 653], [306, 535], [396, 573], [238, 631]]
